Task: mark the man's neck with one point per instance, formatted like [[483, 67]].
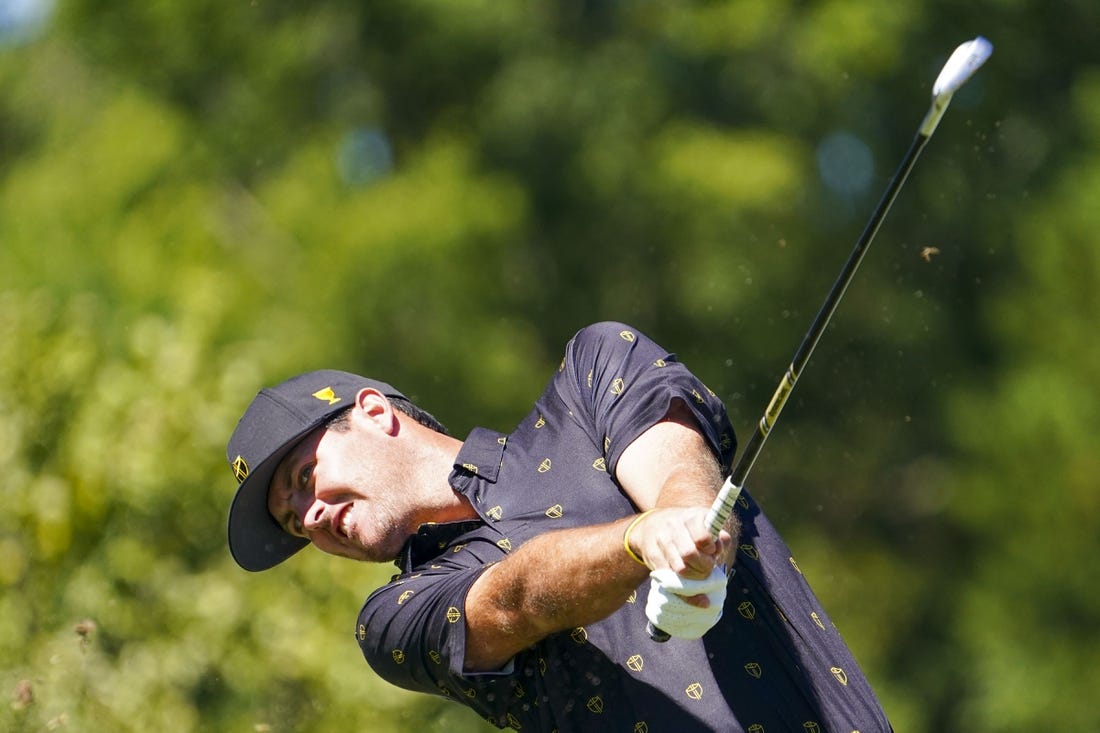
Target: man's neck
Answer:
[[434, 461]]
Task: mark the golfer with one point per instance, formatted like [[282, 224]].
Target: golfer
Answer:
[[528, 563]]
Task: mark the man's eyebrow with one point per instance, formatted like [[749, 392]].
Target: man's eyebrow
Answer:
[[280, 484], [278, 479]]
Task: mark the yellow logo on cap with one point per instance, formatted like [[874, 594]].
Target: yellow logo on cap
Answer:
[[326, 395], [240, 469]]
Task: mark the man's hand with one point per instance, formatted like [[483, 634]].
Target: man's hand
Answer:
[[688, 581], [669, 609], [677, 538]]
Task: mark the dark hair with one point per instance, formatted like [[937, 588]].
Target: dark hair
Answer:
[[339, 420]]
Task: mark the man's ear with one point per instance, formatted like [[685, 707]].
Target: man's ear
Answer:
[[372, 406]]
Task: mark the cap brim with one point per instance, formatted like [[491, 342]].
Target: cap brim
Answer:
[[256, 541]]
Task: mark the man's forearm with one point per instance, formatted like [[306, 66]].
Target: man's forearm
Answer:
[[556, 581]]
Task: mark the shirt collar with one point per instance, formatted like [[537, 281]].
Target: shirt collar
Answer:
[[430, 540], [481, 455]]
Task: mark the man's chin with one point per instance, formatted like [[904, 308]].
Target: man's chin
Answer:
[[361, 554]]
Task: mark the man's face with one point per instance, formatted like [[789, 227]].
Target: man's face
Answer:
[[338, 489]]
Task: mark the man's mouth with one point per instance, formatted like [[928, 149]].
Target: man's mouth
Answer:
[[342, 522]]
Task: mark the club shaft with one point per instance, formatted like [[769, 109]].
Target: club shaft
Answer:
[[962, 64], [724, 503], [727, 497]]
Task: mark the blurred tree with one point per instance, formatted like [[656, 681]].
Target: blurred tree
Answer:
[[1028, 584], [198, 199]]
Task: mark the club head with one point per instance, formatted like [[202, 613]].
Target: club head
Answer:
[[961, 66]]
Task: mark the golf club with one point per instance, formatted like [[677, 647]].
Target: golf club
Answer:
[[962, 64]]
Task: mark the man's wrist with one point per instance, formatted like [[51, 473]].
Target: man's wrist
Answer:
[[626, 538]]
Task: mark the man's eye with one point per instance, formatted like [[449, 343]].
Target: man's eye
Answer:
[[305, 475], [296, 527]]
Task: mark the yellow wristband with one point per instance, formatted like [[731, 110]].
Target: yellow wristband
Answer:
[[626, 537]]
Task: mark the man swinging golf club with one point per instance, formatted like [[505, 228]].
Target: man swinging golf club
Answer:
[[521, 556]]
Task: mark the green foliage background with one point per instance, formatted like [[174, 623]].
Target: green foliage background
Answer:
[[198, 198]]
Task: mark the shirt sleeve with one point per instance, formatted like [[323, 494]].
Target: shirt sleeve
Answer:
[[617, 383], [412, 634]]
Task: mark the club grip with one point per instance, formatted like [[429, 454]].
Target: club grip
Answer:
[[656, 634]]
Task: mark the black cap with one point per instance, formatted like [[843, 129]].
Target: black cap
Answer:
[[273, 424]]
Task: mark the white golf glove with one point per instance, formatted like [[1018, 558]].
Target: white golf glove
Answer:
[[668, 611]]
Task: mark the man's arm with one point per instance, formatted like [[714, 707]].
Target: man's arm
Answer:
[[568, 578], [671, 465], [555, 581]]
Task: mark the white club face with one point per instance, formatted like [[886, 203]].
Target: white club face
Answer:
[[961, 66]]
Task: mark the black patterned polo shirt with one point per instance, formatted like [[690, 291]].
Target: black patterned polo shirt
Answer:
[[774, 662]]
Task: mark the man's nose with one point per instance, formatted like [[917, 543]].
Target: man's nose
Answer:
[[314, 516]]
